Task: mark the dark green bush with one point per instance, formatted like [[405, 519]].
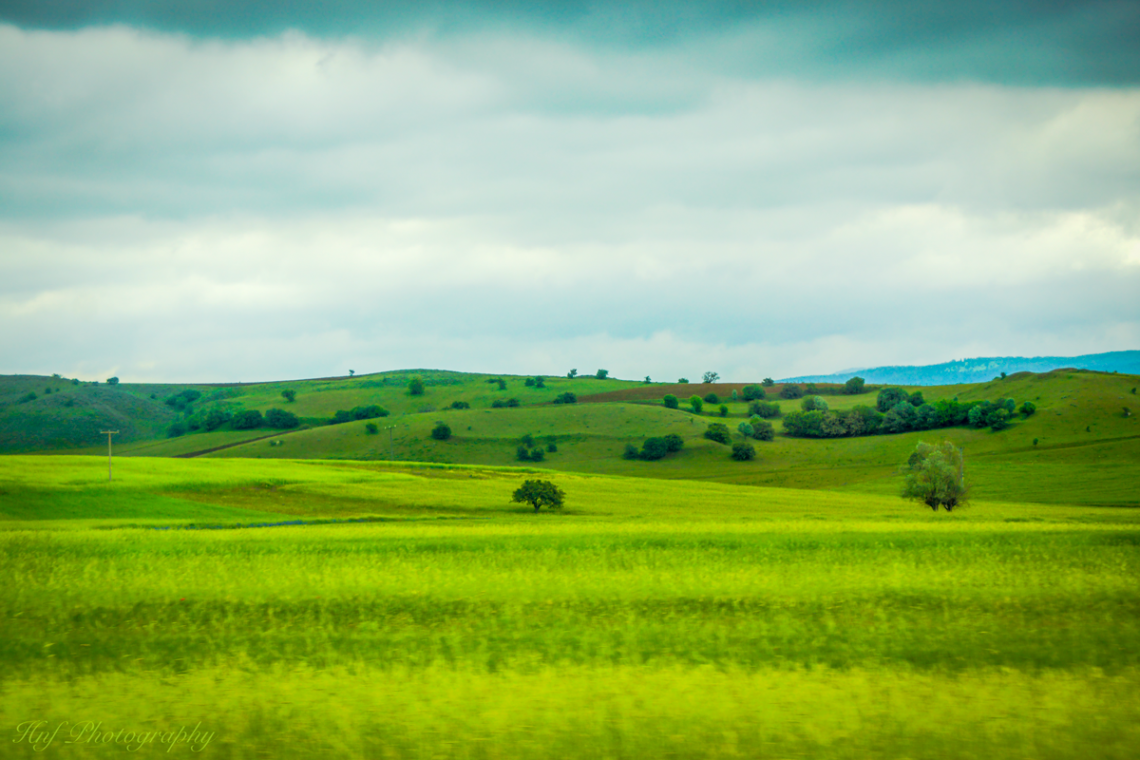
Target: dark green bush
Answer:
[[718, 432], [441, 431], [712, 398], [764, 409], [630, 452], [566, 398], [674, 442], [671, 401], [250, 419], [791, 391], [460, 405], [279, 419], [754, 393], [743, 452], [654, 448]]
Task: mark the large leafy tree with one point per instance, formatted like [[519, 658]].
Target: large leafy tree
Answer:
[[936, 476], [540, 493]]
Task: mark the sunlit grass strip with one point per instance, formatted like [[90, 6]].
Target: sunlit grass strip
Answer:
[[616, 712]]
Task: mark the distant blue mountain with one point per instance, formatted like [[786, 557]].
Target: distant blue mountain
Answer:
[[981, 369]]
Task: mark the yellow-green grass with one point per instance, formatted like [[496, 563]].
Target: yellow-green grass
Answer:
[[651, 619]]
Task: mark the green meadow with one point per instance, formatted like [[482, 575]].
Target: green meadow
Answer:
[[648, 618], [691, 607]]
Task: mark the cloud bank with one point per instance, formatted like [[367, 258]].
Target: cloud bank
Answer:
[[179, 206]]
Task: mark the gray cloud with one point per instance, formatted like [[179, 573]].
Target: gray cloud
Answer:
[[174, 208]]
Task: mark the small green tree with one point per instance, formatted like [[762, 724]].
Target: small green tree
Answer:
[[745, 429], [371, 429], [279, 419], [1028, 408], [754, 393], [723, 410], [289, 396], [718, 432], [602, 374], [630, 452], [654, 448], [674, 442], [250, 419], [671, 401], [710, 377], [743, 452], [791, 391], [854, 386], [712, 398], [696, 403], [762, 429], [936, 476], [540, 493], [460, 405], [441, 431], [566, 398], [502, 383], [572, 374], [685, 381], [813, 404], [112, 381], [767, 382], [416, 386]]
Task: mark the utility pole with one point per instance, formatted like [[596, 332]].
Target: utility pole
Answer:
[[109, 433], [390, 428]]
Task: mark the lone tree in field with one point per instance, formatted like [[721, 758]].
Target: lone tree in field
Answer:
[[936, 476], [540, 493], [710, 377], [289, 396], [416, 386]]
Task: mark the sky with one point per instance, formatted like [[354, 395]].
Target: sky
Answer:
[[231, 191]]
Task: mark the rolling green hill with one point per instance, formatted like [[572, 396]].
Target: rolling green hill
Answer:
[[1080, 447]]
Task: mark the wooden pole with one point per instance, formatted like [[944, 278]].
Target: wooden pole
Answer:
[[109, 434], [389, 428]]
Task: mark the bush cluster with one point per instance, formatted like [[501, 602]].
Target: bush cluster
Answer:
[[566, 398], [905, 413], [764, 409], [369, 412], [655, 448]]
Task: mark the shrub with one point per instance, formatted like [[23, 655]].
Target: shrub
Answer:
[[745, 429], [29, 396], [176, 429], [566, 398], [539, 382], [281, 420], [764, 409], [813, 404], [460, 405], [112, 381], [529, 382], [712, 398], [685, 381], [754, 393], [572, 374], [743, 452], [416, 386], [528, 440], [718, 432], [854, 386], [602, 374], [998, 419], [696, 403], [674, 442], [791, 391], [671, 401], [889, 397], [654, 448], [371, 428], [369, 412], [539, 493], [916, 399], [1028, 409], [537, 455], [441, 431], [250, 419], [500, 404], [289, 396], [552, 447], [762, 430], [522, 453], [512, 402], [723, 410], [630, 452], [75, 381], [502, 383]]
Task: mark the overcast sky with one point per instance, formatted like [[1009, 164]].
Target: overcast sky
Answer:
[[256, 190]]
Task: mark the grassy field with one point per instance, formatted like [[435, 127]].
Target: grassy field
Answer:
[[651, 618]]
